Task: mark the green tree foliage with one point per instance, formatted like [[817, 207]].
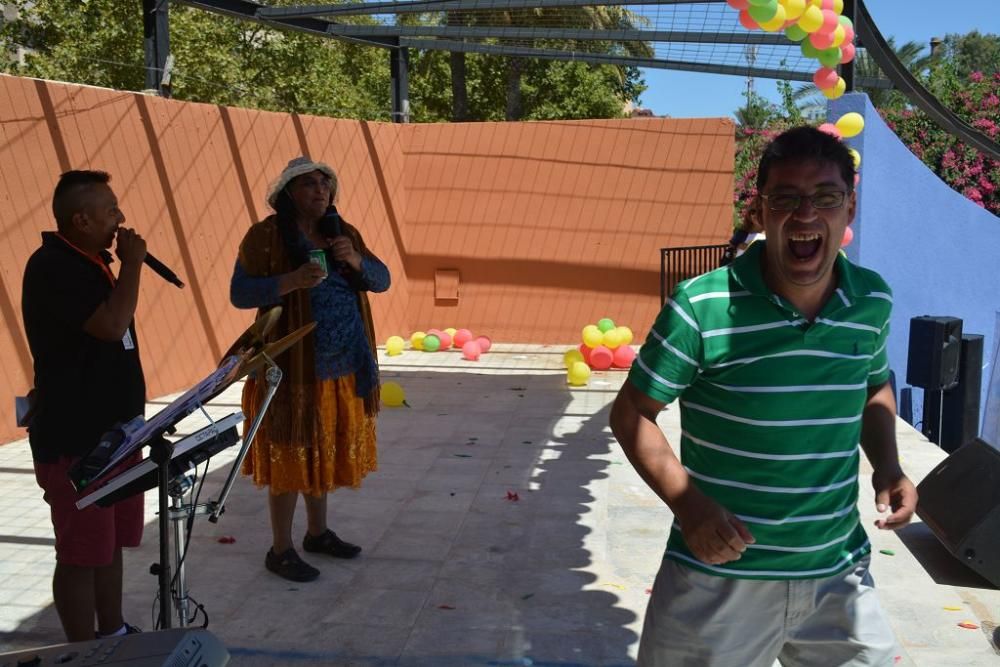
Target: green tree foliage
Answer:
[[218, 59], [224, 60], [973, 52]]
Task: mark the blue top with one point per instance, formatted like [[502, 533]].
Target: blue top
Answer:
[[341, 346]]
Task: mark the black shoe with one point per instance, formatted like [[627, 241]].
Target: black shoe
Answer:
[[289, 566], [129, 630], [328, 543]]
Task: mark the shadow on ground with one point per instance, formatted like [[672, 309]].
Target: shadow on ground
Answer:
[[457, 569]]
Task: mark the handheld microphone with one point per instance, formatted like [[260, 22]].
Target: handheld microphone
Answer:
[[161, 270], [330, 224]]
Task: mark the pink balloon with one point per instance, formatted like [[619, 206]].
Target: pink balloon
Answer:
[[601, 358], [848, 35], [471, 350], [462, 336], [847, 53], [624, 356], [738, 4], [484, 343], [747, 21], [825, 78], [827, 4], [831, 129], [821, 40], [848, 237], [585, 351], [830, 21], [434, 332], [445, 340], [857, 179]]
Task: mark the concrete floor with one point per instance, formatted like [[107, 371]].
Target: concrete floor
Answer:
[[454, 572]]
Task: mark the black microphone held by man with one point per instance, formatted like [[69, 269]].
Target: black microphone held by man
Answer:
[[161, 270]]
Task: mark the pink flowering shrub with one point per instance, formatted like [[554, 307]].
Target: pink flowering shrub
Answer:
[[968, 171]]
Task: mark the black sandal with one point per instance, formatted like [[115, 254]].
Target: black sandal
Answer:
[[289, 566], [328, 543]]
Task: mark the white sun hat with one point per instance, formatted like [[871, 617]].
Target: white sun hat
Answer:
[[297, 167]]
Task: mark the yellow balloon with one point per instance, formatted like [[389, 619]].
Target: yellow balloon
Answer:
[[394, 345], [836, 91], [392, 394], [856, 156], [571, 356], [626, 335], [592, 336], [839, 35], [850, 124], [838, 6], [417, 340], [451, 331], [794, 9], [578, 373], [612, 339], [811, 19], [776, 23]]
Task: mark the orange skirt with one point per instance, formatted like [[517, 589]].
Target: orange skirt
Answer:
[[341, 451]]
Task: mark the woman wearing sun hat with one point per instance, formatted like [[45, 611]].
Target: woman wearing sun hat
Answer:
[[318, 434]]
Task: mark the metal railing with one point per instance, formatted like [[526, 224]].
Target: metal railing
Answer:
[[677, 264]]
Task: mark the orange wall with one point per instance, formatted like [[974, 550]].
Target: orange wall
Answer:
[[550, 225], [555, 225]]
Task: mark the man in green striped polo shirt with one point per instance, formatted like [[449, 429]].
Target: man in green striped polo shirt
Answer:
[[780, 367]]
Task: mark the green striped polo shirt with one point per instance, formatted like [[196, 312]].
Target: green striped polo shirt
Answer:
[[771, 410]]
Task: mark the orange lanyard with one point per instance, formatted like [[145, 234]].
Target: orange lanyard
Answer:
[[104, 267]]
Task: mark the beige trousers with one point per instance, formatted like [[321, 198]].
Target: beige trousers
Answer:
[[700, 620]]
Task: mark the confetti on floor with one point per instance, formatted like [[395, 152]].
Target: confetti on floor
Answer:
[[952, 608], [227, 539], [445, 606], [887, 552], [968, 625], [611, 585], [512, 495]]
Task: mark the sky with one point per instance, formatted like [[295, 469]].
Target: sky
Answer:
[[690, 95]]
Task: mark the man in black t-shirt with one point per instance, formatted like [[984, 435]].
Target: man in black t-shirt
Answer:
[[78, 317]]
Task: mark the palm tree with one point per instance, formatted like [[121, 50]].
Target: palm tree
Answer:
[[911, 55]]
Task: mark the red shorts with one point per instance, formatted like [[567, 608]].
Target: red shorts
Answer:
[[91, 536]]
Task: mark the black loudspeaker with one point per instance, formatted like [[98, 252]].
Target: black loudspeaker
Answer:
[[960, 502], [960, 417], [935, 346]]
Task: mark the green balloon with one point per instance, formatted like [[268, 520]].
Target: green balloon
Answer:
[[606, 324], [830, 57], [758, 3], [846, 22], [431, 343], [795, 33], [763, 13], [808, 50]]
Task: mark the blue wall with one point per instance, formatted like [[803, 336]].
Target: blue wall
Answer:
[[937, 250]]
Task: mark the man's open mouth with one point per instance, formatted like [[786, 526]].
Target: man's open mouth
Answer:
[[805, 246]]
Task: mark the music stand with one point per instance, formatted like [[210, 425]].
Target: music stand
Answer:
[[170, 461], [158, 470]]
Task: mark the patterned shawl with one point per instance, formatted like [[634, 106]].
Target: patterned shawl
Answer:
[[262, 253]]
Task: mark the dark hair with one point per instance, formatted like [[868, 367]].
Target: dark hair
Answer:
[[806, 143], [284, 207], [71, 192]]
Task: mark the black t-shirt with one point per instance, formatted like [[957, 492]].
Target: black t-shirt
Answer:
[[84, 385]]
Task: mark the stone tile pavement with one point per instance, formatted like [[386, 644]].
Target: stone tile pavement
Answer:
[[455, 572]]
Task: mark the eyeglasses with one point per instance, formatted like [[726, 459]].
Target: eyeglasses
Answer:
[[820, 200]]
